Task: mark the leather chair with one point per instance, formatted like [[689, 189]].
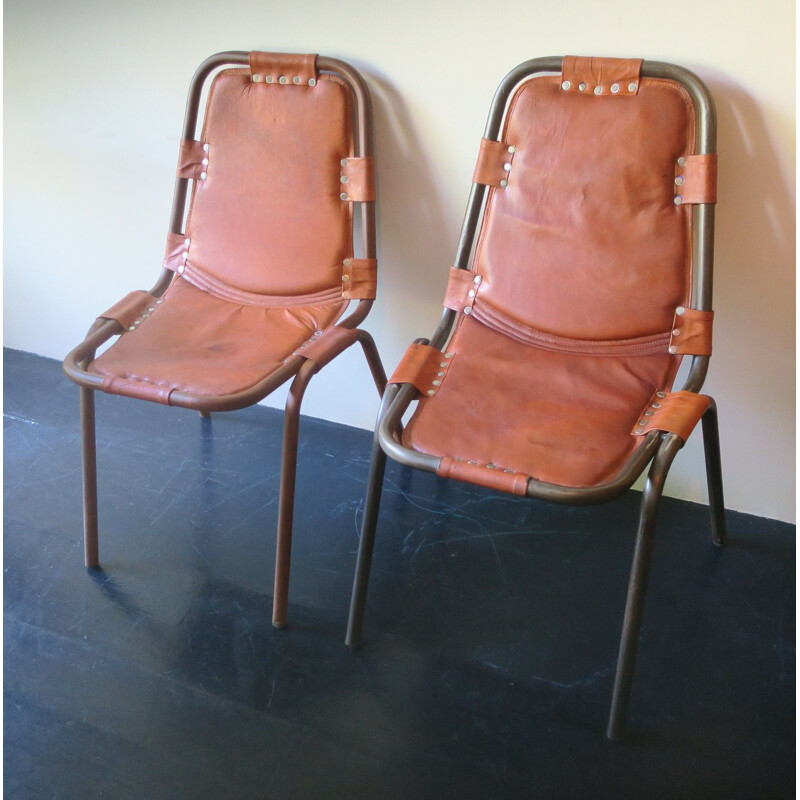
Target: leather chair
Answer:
[[255, 283], [582, 278]]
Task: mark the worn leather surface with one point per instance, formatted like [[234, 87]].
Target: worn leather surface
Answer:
[[583, 259]]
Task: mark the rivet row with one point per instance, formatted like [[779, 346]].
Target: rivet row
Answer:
[[283, 80]]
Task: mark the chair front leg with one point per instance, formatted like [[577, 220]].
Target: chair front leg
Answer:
[[89, 460], [637, 585], [716, 501]]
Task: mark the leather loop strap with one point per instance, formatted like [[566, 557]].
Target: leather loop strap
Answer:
[[462, 289], [359, 278], [193, 160], [177, 252], [601, 77], [424, 367], [495, 160], [330, 343], [139, 388], [357, 179], [130, 308], [283, 69], [674, 412], [483, 475], [696, 179], [691, 332]]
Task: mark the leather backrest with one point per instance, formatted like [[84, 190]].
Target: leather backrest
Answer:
[[269, 219], [586, 240]]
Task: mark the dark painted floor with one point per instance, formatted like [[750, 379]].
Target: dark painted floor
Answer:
[[490, 639]]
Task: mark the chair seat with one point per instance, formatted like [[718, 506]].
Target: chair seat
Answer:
[[202, 345], [555, 416]]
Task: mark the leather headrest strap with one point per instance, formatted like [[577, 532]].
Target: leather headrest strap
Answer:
[[601, 77], [283, 69]]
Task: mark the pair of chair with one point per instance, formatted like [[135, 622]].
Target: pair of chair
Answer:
[[582, 277]]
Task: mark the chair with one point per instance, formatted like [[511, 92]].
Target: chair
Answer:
[[582, 277], [256, 280]]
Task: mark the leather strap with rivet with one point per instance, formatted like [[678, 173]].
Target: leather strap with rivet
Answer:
[[506, 480], [462, 289], [325, 345], [601, 77], [193, 160], [672, 412], [130, 309], [495, 160], [357, 179], [691, 332], [424, 367], [283, 69], [696, 179], [176, 254], [359, 278]]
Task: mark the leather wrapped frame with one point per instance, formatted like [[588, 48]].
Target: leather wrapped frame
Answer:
[[104, 329], [399, 397]]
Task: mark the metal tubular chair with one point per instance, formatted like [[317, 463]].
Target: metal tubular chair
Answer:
[[582, 276], [260, 268]]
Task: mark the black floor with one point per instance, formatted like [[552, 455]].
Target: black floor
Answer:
[[490, 639]]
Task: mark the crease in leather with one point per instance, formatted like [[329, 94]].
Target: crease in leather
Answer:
[[692, 332], [483, 475], [602, 72], [287, 65], [324, 348], [493, 157], [360, 278], [698, 178], [678, 413], [357, 178], [190, 159], [128, 309], [420, 366]]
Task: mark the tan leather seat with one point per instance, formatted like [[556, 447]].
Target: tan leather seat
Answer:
[[260, 270], [582, 277]]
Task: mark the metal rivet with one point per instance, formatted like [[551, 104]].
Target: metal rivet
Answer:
[[643, 422], [598, 90], [632, 87], [507, 167], [680, 311], [490, 466], [256, 77], [343, 196], [132, 328], [614, 88], [345, 278], [504, 183], [676, 332], [187, 242], [661, 394], [181, 268], [449, 355], [655, 405], [439, 374], [673, 350], [185, 255], [151, 308], [296, 79], [205, 162], [312, 82], [471, 293], [345, 294], [203, 176], [160, 300], [445, 364], [678, 200], [206, 147], [472, 462], [638, 430], [477, 279], [467, 310], [679, 180], [512, 149], [508, 470], [343, 162], [648, 413], [566, 85], [436, 383], [582, 87], [430, 393], [137, 322], [682, 161], [268, 79], [282, 80], [346, 262], [343, 178], [144, 316]]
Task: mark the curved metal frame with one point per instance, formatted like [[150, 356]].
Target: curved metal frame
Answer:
[[657, 447], [301, 369]]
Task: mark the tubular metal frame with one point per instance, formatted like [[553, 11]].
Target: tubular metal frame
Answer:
[[658, 448], [297, 368]]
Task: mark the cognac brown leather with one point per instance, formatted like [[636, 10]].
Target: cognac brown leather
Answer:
[[359, 278], [489, 475], [461, 289], [260, 265], [294, 69], [357, 179], [614, 77], [696, 178], [324, 348], [675, 412], [691, 332], [424, 367], [190, 160], [582, 260], [495, 161], [130, 308]]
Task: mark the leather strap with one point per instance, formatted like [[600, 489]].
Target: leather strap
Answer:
[[483, 475], [674, 412], [696, 179], [140, 388], [462, 289], [193, 160], [283, 69], [359, 278], [357, 179], [176, 253], [424, 367], [495, 160], [322, 349], [601, 77], [130, 308], [691, 332]]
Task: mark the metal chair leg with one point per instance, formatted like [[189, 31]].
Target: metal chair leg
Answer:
[[716, 501], [637, 586], [283, 551], [89, 455]]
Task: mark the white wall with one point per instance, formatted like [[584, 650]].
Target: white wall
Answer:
[[94, 93]]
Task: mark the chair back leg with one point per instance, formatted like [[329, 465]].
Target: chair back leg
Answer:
[[637, 585], [89, 454], [716, 501]]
